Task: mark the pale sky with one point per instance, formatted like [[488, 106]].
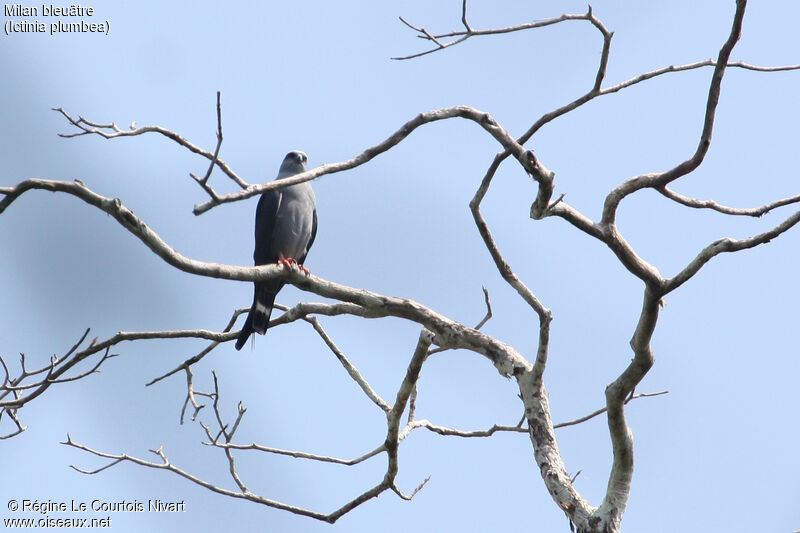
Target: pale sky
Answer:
[[718, 453]]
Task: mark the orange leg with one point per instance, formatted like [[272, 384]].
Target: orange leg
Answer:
[[286, 261]]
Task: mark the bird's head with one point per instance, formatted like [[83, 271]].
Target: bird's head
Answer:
[[293, 163]]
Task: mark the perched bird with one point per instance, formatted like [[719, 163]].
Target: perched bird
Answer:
[[286, 224]]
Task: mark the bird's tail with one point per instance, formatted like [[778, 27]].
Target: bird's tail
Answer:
[[247, 330], [258, 318]]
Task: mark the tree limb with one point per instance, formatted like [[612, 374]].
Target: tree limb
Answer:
[[711, 204], [727, 245]]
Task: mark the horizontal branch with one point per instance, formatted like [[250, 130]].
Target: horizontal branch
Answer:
[[214, 343], [461, 36], [166, 465], [448, 333], [411, 426], [298, 454], [496, 428], [54, 376], [588, 417], [711, 204], [452, 432], [692, 66]]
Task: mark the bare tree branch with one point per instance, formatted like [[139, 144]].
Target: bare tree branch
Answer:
[[496, 428], [588, 417], [404, 392], [349, 367], [480, 324], [452, 432], [461, 36], [619, 483], [166, 465], [448, 332], [409, 497], [661, 179], [192, 360], [203, 182], [12, 414], [406, 431], [727, 245], [484, 120], [59, 367], [691, 66], [711, 204], [298, 454], [488, 316], [227, 432], [112, 131], [544, 314], [190, 396]]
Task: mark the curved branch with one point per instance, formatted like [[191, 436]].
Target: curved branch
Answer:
[[484, 120], [727, 245], [619, 482], [736, 211], [661, 179], [544, 314]]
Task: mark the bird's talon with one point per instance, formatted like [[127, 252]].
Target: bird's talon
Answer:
[[287, 262]]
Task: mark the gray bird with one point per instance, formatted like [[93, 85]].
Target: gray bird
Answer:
[[286, 225]]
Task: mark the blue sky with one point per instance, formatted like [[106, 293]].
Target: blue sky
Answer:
[[717, 453]]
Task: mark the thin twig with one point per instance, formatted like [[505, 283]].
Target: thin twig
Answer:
[[297, 454], [192, 360], [58, 369], [203, 182], [190, 396], [112, 131], [604, 409], [348, 366]]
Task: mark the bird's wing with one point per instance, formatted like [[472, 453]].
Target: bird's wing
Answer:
[[266, 213], [302, 259]]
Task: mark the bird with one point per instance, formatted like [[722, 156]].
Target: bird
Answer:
[[286, 226]]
